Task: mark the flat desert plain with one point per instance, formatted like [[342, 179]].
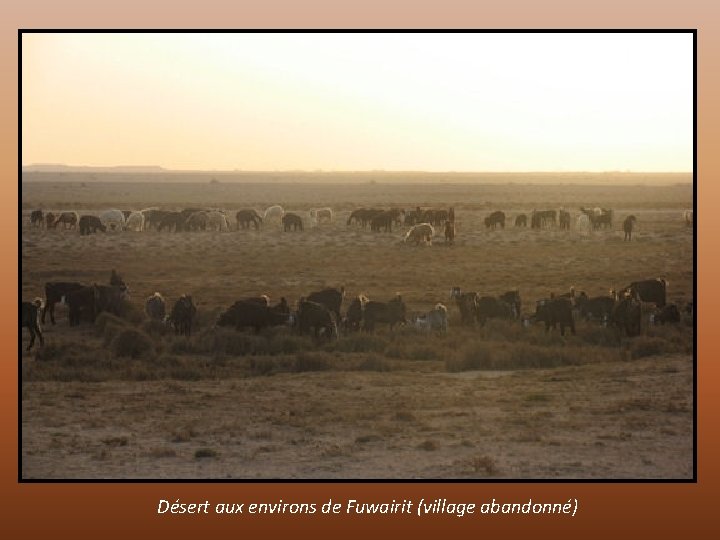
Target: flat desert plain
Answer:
[[496, 402]]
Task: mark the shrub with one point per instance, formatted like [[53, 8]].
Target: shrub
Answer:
[[396, 350], [109, 326], [233, 343], [373, 363], [528, 356], [156, 328], [104, 319], [237, 343], [183, 345], [262, 366], [269, 366], [53, 351], [136, 370], [289, 344], [551, 338], [116, 441], [130, 312], [599, 335], [188, 372], [311, 362], [207, 317], [133, 343], [64, 362], [649, 346], [473, 357], [205, 453], [424, 353], [161, 453], [428, 445], [678, 338], [483, 464], [479, 355], [502, 330], [361, 343]]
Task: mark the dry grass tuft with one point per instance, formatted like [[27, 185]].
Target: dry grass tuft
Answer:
[[132, 343], [474, 357], [130, 312], [374, 363], [538, 398], [643, 346], [115, 441], [54, 351], [360, 343], [599, 335], [201, 453], [362, 439], [428, 445], [156, 329], [183, 435], [312, 362], [161, 453], [483, 464], [529, 356], [233, 343]]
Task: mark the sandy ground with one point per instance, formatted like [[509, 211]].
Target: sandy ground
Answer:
[[618, 420]]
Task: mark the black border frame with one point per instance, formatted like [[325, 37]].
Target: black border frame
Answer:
[[693, 480]]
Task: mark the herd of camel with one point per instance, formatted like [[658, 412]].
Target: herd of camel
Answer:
[[423, 223], [320, 311]]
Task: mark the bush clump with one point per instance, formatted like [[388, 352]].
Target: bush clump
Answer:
[[374, 363], [311, 362], [528, 356], [289, 344], [502, 330], [476, 356], [205, 453], [130, 312], [361, 343], [109, 326], [105, 319], [484, 356], [270, 365], [132, 343], [649, 346], [599, 335], [230, 342], [53, 351], [156, 328], [234, 343]]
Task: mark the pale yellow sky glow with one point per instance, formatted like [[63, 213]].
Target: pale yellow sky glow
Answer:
[[421, 101]]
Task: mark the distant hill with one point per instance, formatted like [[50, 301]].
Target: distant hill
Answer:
[[59, 167]]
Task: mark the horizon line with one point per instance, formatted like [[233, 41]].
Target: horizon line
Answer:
[[160, 169]]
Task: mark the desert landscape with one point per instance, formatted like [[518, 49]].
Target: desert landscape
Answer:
[[493, 402]]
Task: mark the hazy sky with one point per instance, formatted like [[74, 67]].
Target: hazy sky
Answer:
[[424, 101]]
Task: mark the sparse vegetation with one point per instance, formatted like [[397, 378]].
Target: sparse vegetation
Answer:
[[483, 464], [428, 445], [116, 441], [374, 363], [475, 356], [201, 453], [311, 362], [650, 346], [132, 343]]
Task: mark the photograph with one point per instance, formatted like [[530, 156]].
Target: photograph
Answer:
[[357, 256]]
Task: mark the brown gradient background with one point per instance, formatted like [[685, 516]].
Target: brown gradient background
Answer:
[[120, 510]]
